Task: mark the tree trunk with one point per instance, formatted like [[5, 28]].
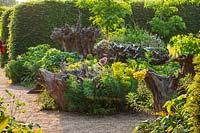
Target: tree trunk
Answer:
[[55, 86], [187, 67], [163, 88]]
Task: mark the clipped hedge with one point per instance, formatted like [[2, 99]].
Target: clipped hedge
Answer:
[[33, 22], [5, 23], [140, 15], [189, 12], [2, 9], [4, 34], [191, 16]]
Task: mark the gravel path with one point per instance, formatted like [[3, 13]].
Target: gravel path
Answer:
[[65, 122]]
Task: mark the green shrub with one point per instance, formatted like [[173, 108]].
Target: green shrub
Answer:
[[25, 68], [32, 23], [141, 101], [15, 71], [4, 34], [103, 91], [137, 36], [183, 45], [189, 12], [48, 103], [52, 58]]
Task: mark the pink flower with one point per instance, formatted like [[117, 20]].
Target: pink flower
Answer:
[[103, 61]]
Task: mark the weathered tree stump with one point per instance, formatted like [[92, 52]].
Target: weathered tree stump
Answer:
[[76, 39], [162, 87], [55, 85]]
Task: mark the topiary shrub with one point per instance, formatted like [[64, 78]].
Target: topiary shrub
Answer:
[[33, 22], [4, 34]]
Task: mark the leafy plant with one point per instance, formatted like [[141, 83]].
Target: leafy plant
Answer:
[[102, 89], [182, 113], [141, 101], [166, 22], [48, 103], [137, 36], [8, 123], [25, 68], [183, 45], [15, 71], [121, 52], [108, 14]]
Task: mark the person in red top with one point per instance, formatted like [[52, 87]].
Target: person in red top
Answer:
[[2, 49]]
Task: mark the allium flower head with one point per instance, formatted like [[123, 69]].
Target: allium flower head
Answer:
[[103, 61]]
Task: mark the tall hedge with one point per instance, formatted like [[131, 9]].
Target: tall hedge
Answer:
[[5, 22], [140, 15], [189, 12], [4, 34], [2, 9], [33, 22], [191, 16]]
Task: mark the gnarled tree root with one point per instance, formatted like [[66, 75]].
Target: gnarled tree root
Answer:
[[55, 85]]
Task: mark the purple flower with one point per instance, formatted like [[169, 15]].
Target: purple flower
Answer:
[[103, 61]]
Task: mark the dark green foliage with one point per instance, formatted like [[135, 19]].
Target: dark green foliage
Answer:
[[140, 15], [189, 12], [32, 24], [4, 34], [25, 68], [121, 52], [15, 71], [191, 16]]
